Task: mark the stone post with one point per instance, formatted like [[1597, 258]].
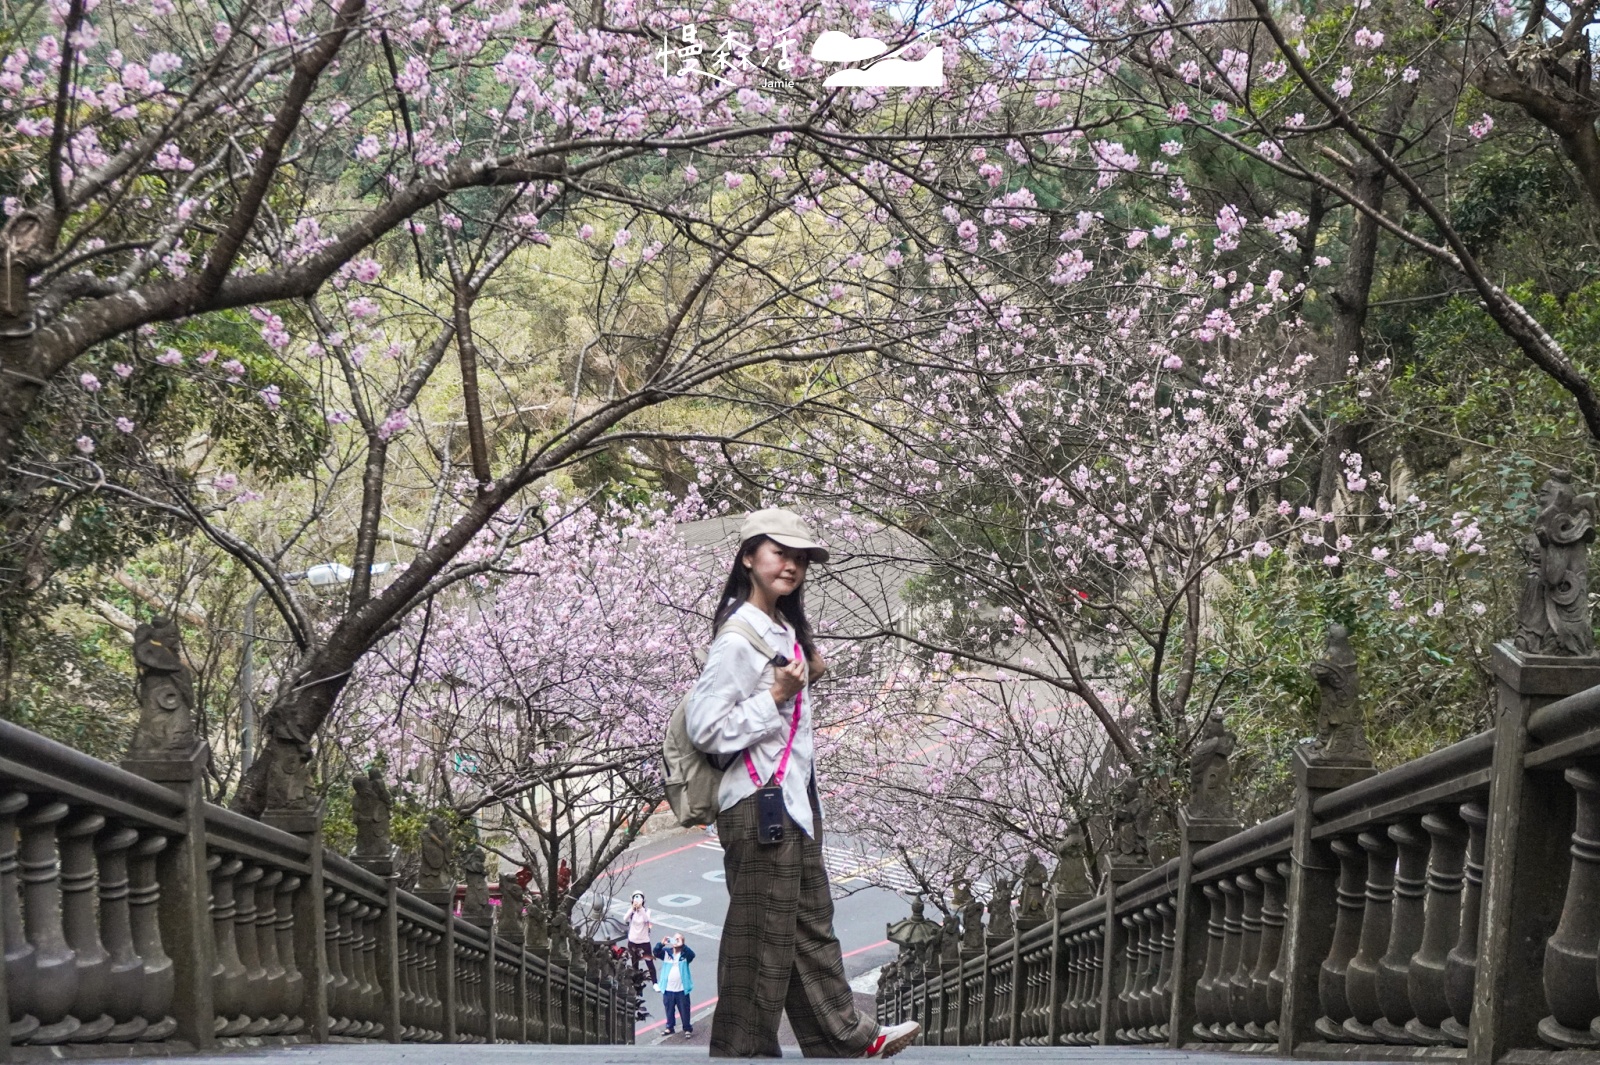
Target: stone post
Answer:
[[166, 748], [1189, 946], [1530, 821], [1118, 874], [310, 934], [1339, 757]]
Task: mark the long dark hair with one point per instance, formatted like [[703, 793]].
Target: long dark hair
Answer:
[[737, 591]]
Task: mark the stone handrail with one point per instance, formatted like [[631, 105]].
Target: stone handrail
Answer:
[[1446, 908], [136, 917]]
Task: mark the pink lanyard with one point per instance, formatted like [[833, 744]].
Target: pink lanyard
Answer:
[[794, 728]]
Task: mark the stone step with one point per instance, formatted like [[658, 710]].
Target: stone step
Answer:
[[371, 1054]]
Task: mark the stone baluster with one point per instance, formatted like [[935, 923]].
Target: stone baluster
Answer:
[[1461, 964], [1266, 979], [406, 989], [1350, 900], [1161, 1003], [159, 984], [1071, 976], [230, 986], [1086, 1022], [1570, 957], [432, 993], [18, 951], [1361, 979], [294, 981], [1144, 1010], [55, 970], [1121, 1020], [1441, 923], [1232, 944], [269, 1007], [354, 947], [1250, 892], [1405, 930], [124, 968], [335, 978], [245, 886], [91, 1005], [369, 963], [1205, 996]]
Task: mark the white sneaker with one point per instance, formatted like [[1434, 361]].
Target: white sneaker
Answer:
[[890, 1041]]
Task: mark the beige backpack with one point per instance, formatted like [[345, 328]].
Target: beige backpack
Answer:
[[693, 780]]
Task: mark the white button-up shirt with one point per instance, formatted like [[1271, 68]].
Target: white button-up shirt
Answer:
[[731, 710]]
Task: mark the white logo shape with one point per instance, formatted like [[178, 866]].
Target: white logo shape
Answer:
[[835, 47]]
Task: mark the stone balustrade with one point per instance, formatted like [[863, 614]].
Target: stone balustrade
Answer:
[[1447, 908], [137, 918]]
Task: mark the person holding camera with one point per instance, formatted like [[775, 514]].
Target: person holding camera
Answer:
[[752, 708], [676, 983]]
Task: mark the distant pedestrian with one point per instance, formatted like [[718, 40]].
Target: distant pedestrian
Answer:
[[778, 953], [676, 983], [639, 929]]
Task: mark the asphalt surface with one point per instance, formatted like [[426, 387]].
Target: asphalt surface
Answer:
[[680, 873]]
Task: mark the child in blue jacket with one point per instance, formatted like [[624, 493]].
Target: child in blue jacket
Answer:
[[675, 981]]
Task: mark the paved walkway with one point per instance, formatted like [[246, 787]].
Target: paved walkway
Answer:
[[685, 1055]]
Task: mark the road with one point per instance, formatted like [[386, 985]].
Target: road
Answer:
[[680, 873]]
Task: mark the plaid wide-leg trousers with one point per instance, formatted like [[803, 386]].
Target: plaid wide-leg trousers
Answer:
[[778, 949]]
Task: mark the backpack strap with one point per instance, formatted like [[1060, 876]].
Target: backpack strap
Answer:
[[745, 629], [759, 642]]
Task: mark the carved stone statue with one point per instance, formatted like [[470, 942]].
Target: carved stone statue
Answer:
[[1030, 908], [1553, 613], [371, 808], [476, 901], [166, 694], [1128, 825], [971, 920], [1072, 877], [512, 898], [886, 980], [1000, 923], [950, 941], [537, 928], [289, 768], [435, 856], [1210, 796], [1341, 736]]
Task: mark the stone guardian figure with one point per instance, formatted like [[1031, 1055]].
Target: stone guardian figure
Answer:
[[372, 807], [1031, 910], [1001, 924], [1210, 794], [435, 856], [1553, 613], [1341, 735], [166, 694], [475, 904]]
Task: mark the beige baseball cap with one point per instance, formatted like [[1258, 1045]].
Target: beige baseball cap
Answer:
[[785, 527]]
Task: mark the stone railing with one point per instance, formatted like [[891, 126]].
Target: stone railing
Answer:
[[133, 912], [1447, 908]]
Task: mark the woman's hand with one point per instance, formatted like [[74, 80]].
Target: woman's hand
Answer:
[[787, 681]]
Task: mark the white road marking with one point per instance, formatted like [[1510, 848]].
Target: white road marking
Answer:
[[678, 900], [675, 921]]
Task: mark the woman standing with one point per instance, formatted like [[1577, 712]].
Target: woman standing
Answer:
[[778, 952], [639, 928], [676, 983]]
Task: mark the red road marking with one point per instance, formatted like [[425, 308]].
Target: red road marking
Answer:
[[657, 858], [863, 950], [707, 1004]]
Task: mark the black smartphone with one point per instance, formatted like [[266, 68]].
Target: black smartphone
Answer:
[[769, 815], [780, 660]]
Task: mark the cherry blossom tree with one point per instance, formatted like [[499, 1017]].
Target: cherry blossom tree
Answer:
[[535, 699], [360, 179]]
